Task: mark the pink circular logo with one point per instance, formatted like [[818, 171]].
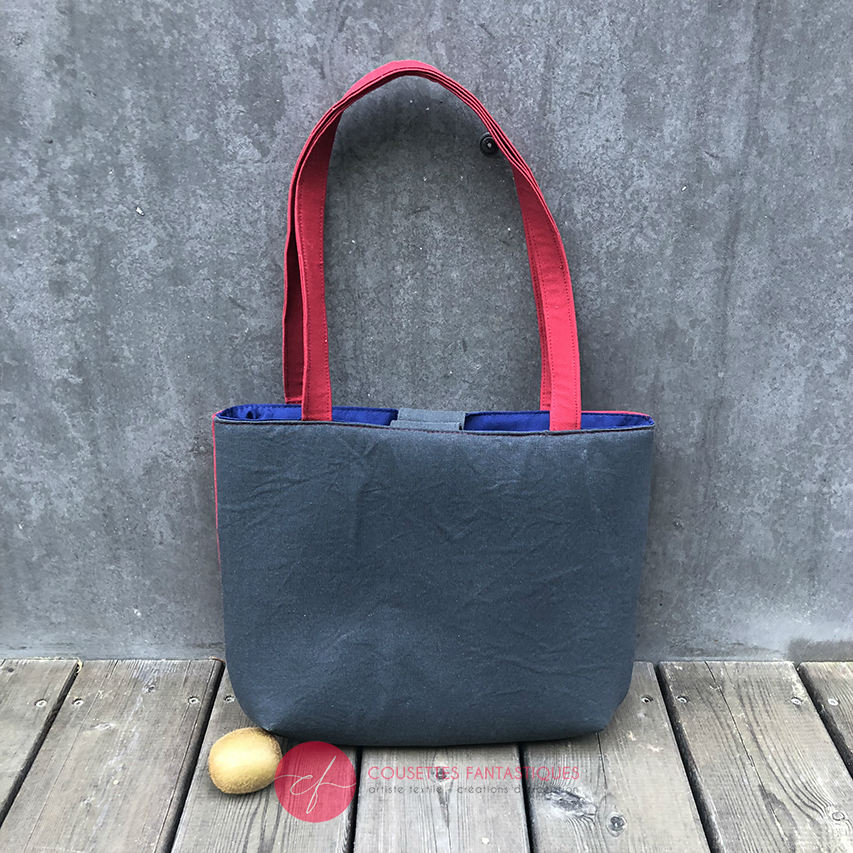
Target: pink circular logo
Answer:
[[315, 781]]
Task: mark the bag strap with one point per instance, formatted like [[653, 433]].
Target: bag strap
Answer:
[[292, 320], [305, 353]]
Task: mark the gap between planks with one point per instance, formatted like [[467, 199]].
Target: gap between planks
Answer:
[[624, 788], [113, 769], [831, 689], [764, 771], [31, 691], [219, 823]]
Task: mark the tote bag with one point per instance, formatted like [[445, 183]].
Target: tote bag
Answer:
[[402, 576]]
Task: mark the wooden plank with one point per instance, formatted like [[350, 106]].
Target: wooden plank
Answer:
[[831, 688], [629, 791], [764, 770], [214, 822], [465, 806], [113, 770], [30, 694]]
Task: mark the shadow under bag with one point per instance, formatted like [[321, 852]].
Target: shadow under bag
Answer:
[[401, 576]]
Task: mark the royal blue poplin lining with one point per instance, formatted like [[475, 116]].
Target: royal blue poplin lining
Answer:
[[474, 421]]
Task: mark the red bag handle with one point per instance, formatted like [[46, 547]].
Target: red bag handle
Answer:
[[305, 352], [292, 320]]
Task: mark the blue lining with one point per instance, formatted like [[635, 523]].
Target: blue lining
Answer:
[[477, 421]]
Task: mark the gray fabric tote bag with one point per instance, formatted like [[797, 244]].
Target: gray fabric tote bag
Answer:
[[400, 576]]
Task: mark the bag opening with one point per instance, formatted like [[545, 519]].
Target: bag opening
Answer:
[[474, 421]]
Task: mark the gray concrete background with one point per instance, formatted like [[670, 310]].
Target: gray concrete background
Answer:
[[695, 155]]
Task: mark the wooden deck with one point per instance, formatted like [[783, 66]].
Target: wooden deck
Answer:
[[723, 756]]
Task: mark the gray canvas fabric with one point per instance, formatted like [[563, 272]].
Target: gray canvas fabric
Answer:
[[388, 586]]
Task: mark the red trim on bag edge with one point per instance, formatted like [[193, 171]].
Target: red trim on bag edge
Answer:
[[215, 490]]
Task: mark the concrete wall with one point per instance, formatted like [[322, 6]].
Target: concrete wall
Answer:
[[693, 155]]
